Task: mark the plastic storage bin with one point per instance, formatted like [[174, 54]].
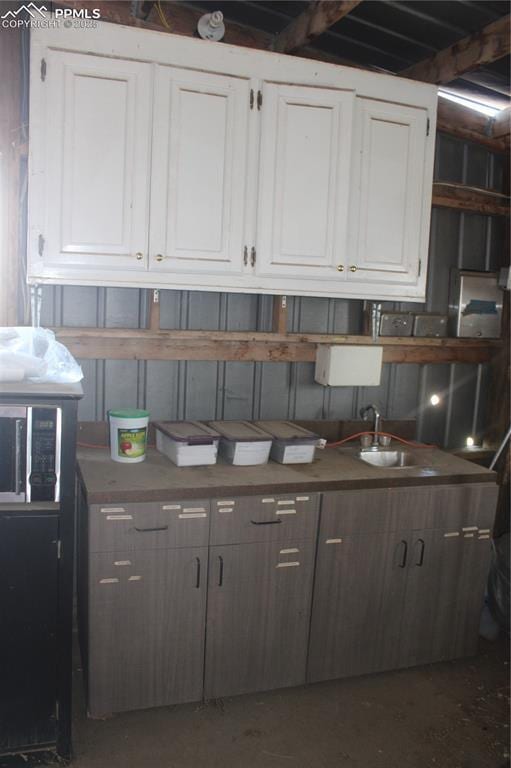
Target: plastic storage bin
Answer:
[[291, 444], [242, 443], [187, 443]]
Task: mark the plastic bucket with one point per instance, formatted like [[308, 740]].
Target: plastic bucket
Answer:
[[128, 435]]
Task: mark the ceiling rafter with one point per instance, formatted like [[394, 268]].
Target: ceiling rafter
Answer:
[[489, 44], [319, 16]]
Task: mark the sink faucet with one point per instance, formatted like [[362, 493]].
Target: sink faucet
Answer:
[[377, 419]]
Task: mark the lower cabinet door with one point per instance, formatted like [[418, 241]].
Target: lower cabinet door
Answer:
[[146, 628], [28, 635], [359, 592], [258, 616], [446, 580]]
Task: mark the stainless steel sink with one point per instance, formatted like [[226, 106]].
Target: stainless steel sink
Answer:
[[395, 459]]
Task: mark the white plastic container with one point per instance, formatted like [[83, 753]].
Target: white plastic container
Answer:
[[242, 443], [291, 444], [187, 443], [128, 435]]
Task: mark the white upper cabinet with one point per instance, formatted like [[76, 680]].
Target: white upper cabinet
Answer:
[[92, 147], [199, 172], [388, 218], [161, 161], [304, 180]]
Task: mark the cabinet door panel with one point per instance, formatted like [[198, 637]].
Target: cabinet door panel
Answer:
[[146, 628], [304, 180], [387, 237], [359, 590], [97, 139], [258, 617], [28, 640], [199, 171]]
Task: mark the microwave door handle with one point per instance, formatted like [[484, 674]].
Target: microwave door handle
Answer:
[[18, 455]]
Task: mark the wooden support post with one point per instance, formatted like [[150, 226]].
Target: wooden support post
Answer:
[[153, 310], [279, 324], [488, 44]]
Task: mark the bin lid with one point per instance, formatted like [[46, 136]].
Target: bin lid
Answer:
[[191, 432], [286, 430], [240, 431]]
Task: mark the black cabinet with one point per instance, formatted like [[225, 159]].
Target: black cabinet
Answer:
[[28, 639]]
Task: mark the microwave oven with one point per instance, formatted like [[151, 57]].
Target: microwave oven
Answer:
[[30, 453]]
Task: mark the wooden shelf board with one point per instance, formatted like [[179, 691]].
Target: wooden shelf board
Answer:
[[137, 344]]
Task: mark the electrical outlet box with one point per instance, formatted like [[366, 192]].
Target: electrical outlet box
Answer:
[[348, 366]]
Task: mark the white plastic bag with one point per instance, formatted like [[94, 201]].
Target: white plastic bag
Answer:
[[35, 354]]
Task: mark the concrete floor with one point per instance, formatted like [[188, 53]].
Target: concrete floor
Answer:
[[450, 715]]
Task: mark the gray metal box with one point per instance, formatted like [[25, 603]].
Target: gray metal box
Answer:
[[475, 304], [429, 324], [396, 324]]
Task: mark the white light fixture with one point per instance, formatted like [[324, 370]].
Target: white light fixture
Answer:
[[434, 400], [470, 442], [211, 26]]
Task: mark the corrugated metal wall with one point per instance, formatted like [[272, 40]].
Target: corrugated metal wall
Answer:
[[210, 390]]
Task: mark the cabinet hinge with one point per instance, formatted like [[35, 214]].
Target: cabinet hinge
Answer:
[[43, 70], [259, 99], [253, 256], [40, 245], [428, 123], [245, 255], [251, 98], [59, 549], [420, 267]]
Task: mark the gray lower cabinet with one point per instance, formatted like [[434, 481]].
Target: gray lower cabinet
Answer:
[[146, 628], [400, 578], [258, 618]]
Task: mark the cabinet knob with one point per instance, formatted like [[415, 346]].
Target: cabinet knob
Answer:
[[353, 268], [340, 267], [159, 257], [139, 256]]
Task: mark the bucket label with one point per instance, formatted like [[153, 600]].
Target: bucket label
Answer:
[[131, 442]]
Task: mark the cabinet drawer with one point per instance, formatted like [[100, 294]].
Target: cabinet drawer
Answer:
[[152, 525], [264, 518], [453, 507]]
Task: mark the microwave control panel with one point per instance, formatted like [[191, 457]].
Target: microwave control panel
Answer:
[[45, 458]]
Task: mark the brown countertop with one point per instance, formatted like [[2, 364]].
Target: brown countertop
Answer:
[[157, 479]]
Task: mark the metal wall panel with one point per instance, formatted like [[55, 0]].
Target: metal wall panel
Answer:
[[210, 390]]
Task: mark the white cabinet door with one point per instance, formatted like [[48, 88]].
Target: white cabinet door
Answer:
[[304, 182], [388, 234], [91, 125], [198, 172]]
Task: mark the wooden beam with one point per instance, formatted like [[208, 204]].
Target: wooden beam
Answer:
[[279, 319], [470, 199], [319, 16], [127, 344], [467, 124], [489, 44]]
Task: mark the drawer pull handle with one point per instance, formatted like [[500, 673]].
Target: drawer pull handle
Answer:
[[135, 578], [333, 541], [122, 562], [451, 534], [290, 551], [171, 506], [119, 517], [225, 503], [112, 509], [285, 512], [267, 501], [152, 530], [290, 564], [420, 559], [265, 522], [404, 549], [303, 498], [197, 580], [109, 581], [285, 502], [220, 570]]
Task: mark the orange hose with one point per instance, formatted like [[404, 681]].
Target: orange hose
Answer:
[[384, 434]]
